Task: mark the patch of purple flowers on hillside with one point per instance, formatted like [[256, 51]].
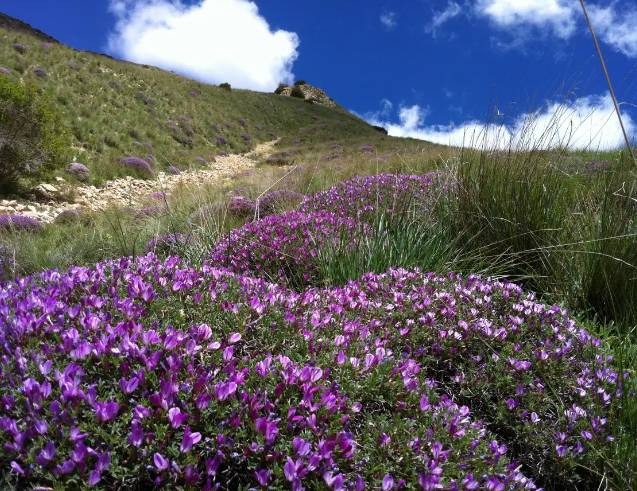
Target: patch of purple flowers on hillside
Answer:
[[241, 207], [137, 163], [21, 223], [217, 396], [283, 247], [363, 196], [79, 171]]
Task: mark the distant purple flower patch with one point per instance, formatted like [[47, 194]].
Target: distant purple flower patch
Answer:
[[200, 160], [136, 163], [222, 154], [173, 170], [5, 71], [40, 72], [78, 170], [20, 48], [363, 196], [283, 247], [151, 211], [19, 223], [158, 195], [241, 207], [246, 138], [221, 141]]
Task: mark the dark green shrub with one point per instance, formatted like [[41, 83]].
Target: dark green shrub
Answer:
[[225, 86], [300, 82], [297, 92], [31, 140]]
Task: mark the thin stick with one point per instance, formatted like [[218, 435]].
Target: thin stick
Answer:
[[610, 85]]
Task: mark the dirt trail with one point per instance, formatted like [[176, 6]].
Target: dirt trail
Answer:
[[130, 191]]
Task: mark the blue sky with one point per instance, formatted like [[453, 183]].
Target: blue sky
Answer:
[[429, 69]]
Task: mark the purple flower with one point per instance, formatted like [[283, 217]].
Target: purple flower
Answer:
[[176, 417], [189, 439], [388, 482], [269, 429], [47, 454], [262, 476], [106, 411], [161, 464]]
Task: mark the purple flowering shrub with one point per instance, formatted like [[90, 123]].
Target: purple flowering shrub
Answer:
[[78, 170], [19, 223], [241, 207], [283, 247], [137, 164], [364, 196], [279, 200], [141, 372]]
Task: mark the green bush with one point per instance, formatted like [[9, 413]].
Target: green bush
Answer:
[[31, 142], [300, 82], [225, 86]]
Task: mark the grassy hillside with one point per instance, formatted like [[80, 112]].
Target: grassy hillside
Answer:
[[114, 109]]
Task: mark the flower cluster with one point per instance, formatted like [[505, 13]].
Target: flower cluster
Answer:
[[363, 196], [79, 171], [283, 247], [241, 207], [94, 371], [21, 223], [137, 163]]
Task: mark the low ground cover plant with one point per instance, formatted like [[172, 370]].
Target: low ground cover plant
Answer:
[[284, 247], [363, 197], [147, 372]]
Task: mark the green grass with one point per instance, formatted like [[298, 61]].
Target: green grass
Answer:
[[114, 109]]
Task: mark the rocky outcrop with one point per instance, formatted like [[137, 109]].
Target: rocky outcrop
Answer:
[[308, 92]]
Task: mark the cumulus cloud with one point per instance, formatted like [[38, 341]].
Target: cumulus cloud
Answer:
[[618, 29], [389, 20], [212, 41], [438, 19], [558, 15], [585, 123]]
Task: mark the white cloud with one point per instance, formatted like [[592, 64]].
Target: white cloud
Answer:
[[389, 20], [452, 10], [586, 123], [558, 15], [619, 30], [212, 41]]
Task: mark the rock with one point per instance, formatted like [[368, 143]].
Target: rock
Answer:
[[46, 191]]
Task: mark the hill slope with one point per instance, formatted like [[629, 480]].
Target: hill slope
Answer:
[[114, 109]]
